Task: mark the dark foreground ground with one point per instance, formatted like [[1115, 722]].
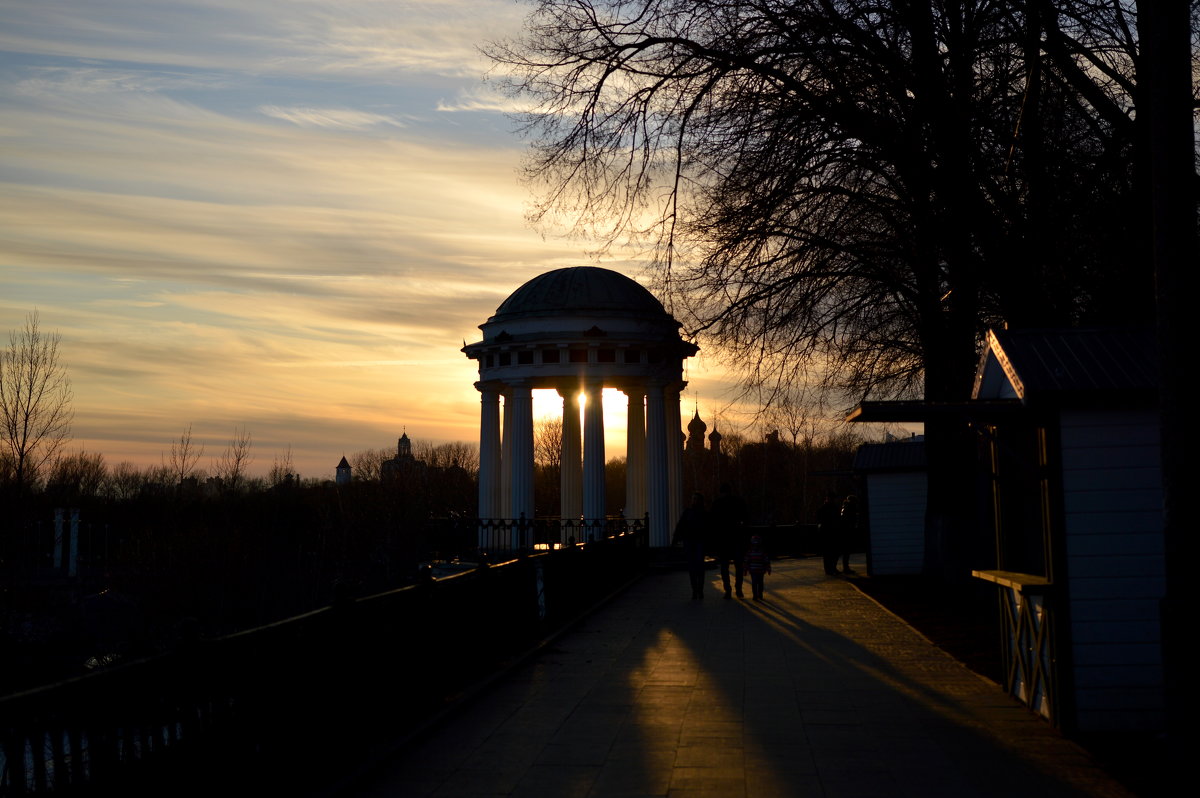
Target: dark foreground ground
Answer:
[[953, 619], [816, 691]]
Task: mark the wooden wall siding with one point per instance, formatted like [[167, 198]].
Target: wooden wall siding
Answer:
[[896, 514], [1112, 500]]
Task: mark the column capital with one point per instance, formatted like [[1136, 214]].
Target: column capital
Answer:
[[490, 386]]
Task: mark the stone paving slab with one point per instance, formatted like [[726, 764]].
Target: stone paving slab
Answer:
[[817, 691]]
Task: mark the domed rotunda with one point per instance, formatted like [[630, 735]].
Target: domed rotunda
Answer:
[[579, 330]]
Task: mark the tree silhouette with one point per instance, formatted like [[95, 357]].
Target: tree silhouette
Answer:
[[77, 474], [183, 457], [35, 400], [231, 466], [547, 443], [282, 467], [847, 189]]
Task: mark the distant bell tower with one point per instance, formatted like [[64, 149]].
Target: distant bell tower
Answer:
[[343, 472], [404, 447], [715, 439], [695, 438]]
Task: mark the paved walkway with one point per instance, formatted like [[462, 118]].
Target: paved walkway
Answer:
[[817, 691]]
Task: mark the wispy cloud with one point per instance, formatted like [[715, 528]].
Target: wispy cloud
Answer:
[[482, 98], [265, 214], [359, 37], [338, 118], [55, 84]]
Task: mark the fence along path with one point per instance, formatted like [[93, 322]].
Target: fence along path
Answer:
[[816, 691]]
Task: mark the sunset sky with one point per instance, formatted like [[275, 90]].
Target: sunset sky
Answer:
[[282, 214]]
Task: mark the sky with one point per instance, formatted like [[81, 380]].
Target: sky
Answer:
[[283, 215]]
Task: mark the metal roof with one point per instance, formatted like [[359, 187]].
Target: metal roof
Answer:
[[896, 456], [1040, 362], [918, 410]]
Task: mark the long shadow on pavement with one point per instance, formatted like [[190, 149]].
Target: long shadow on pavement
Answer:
[[816, 691]]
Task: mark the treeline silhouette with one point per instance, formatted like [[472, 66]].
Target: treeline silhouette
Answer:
[[152, 563], [155, 561]]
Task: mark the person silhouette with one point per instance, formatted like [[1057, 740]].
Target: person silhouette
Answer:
[[692, 533], [758, 565], [847, 531], [828, 521], [729, 538]]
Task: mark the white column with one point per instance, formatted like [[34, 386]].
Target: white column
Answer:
[[593, 451], [506, 465], [635, 454], [570, 481], [489, 452], [658, 502], [521, 496], [673, 423]]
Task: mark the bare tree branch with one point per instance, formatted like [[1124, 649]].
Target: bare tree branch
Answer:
[[35, 400], [547, 442], [847, 188], [282, 467], [183, 457], [231, 466]]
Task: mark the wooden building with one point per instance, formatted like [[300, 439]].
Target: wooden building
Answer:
[[894, 487], [1076, 510], [1068, 432]]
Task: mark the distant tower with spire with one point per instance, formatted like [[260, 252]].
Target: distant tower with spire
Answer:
[[403, 463], [695, 438], [714, 439], [343, 472]]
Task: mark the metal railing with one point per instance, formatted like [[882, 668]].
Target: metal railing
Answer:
[[302, 698], [506, 535]]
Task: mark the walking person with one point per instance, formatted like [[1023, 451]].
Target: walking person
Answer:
[[848, 531], [692, 533], [758, 565], [828, 532], [728, 517]]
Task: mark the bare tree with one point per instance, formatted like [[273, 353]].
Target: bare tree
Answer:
[[282, 467], [795, 410], [78, 473], [456, 454], [547, 442], [35, 400], [125, 480], [367, 464], [183, 457], [231, 466], [420, 448], [853, 189], [863, 186]]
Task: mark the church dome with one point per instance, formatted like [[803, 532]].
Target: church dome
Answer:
[[580, 290]]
